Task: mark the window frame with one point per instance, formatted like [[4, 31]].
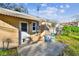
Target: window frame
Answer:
[[34, 26], [21, 25]]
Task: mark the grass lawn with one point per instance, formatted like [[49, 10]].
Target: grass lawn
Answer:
[[10, 52], [70, 37], [73, 44]]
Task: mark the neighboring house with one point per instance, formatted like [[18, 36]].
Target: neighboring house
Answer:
[[71, 23], [12, 23]]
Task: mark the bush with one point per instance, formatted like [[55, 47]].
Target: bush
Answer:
[[69, 29]]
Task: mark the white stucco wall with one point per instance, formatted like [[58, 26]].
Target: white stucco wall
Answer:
[[78, 24]]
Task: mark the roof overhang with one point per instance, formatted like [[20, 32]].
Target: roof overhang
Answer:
[[19, 15]]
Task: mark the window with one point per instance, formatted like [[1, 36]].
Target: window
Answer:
[[24, 27], [34, 26]]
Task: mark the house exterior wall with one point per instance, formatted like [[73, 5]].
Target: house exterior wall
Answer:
[[78, 24], [10, 27], [71, 24]]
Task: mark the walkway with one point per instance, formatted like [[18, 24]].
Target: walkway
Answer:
[[46, 49]]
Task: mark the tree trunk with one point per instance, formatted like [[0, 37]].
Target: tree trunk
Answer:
[[3, 45], [7, 45]]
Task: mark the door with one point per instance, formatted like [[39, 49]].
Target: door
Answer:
[[23, 31]]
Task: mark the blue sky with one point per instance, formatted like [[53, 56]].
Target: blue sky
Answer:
[[60, 12]]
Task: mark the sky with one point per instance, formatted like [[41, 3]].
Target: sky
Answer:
[[60, 12]]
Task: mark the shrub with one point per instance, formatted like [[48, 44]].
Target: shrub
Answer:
[[69, 29]]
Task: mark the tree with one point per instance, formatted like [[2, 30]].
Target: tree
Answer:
[[15, 6], [75, 17], [8, 5], [6, 40], [54, 22], [24, 9], [38, 9], [18, 9], [3, 43]]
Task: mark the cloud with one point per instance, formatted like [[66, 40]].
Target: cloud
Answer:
[[67, 6], [43, 5], [49, 12], [61, 6], [62, 11]]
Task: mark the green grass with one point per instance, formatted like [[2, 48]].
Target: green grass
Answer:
[[70, 37], [73, 44], [10, 52]]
